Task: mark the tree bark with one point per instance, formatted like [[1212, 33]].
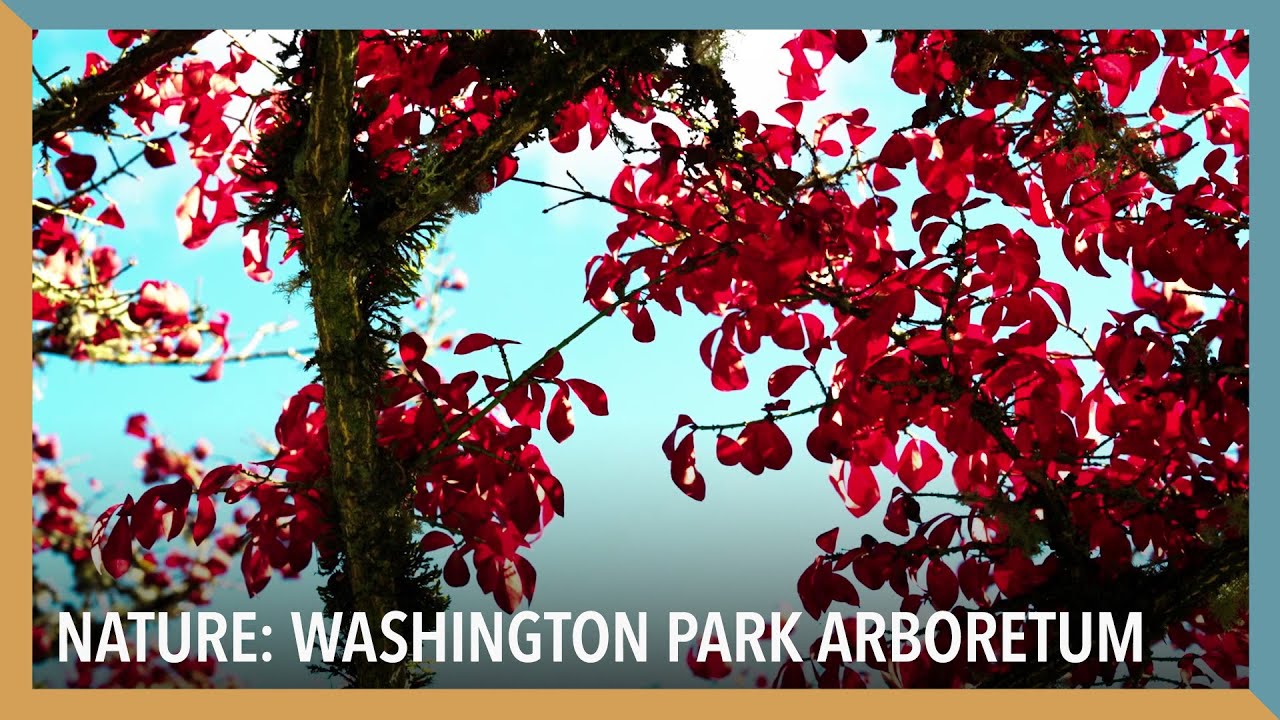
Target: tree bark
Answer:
[[368, 488], [375, 526]]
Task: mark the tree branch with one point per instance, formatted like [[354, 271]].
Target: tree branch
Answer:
[[1163, 599], [89, 101], [135, 358], [554, 80]]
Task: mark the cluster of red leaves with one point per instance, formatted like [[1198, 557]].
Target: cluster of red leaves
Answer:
[[203, 97], [478, 478], [220, 121], [162, 579], [1139, 441], [413, 86], [74, 289], [78, 311], [423, 88], [281, 533]]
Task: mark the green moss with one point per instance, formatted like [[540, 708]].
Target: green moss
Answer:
[[1230, 603], [707, 48]]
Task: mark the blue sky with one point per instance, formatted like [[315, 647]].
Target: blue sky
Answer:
[[630, 540]]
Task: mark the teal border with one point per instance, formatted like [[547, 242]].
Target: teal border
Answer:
[[651, 14], [1264, 581]]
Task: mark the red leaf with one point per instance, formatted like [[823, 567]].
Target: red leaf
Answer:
[[669, 444], [784, 377], [159, 153], [974, 576], [813, 589], [664, 135], [944, 587], [456, 572], [551, 367], [177, 497], [918, 464], [111, 216], [850, 44], [473, 342], [728, 451], [528, 576], [216, 478], [212, 373], [206, 515], [435, 540], [510, 590], [764, 446], [791, 112], [117, 552], [560, 414], [136, 426], [827, 540], [413, 348], [1059, 295], [60, 143], [896, 152], [255, 566], [882, 179], [506, 169], [858, 488], [728, 373], [642, 325], [76, 169], [684, 471], [1236, 55], [555, 494], [124, 38], [522, 503], [591, 395], [896, 515], [798, 331]]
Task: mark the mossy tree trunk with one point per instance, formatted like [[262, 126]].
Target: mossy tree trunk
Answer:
[[375, 525], [379, 569]]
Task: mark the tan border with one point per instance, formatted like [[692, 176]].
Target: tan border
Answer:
[[649, 704], [15, 128]]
